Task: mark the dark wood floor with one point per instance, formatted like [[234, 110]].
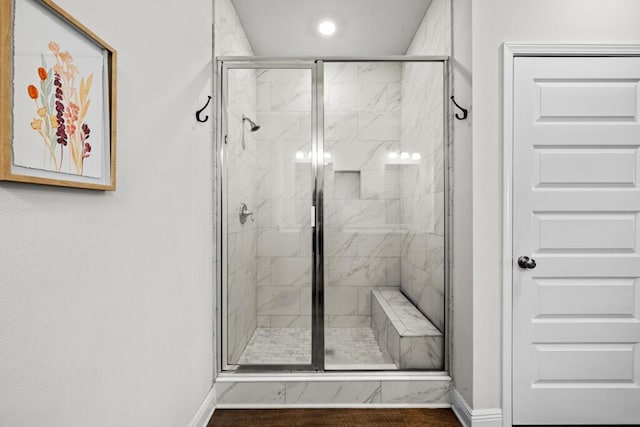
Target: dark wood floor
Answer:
[[333, 417]]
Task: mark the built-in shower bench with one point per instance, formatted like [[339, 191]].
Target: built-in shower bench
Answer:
[[413, 342]]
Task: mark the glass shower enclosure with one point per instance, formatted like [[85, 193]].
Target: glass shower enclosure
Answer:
[[331, 202]]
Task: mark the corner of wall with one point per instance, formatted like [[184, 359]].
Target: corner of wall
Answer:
[[474, 417], [205, 411]]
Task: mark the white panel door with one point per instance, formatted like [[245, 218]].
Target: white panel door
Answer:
[[576, 213]]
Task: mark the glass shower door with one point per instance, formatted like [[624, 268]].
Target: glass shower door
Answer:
[[384, 215], [268, 185]]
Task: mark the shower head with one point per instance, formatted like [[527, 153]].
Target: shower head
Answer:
[[254, 125]]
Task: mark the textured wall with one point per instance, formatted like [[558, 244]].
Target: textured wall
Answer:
[[422, 183], [106, 309], [362, 209]]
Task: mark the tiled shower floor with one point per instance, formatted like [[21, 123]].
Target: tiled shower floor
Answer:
[[345, 348]]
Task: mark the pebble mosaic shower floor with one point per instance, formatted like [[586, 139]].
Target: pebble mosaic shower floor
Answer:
[[351, 348]]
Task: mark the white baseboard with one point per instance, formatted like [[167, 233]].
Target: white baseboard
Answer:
[[474, 417], [205, 411]]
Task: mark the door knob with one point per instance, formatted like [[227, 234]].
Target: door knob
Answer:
[[526, 262]]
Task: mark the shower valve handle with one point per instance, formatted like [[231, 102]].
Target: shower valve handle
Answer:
[[244, 213]]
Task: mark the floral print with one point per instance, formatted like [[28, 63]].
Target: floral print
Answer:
[[61, 107]]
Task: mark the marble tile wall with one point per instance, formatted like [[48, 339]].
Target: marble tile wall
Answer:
[[363, 236], [422, 182], [242, 240], [421, 393], [365, 246], [284, 189], [411, 340]]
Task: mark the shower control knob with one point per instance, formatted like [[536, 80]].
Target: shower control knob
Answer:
[[244, 213], [526, 262]]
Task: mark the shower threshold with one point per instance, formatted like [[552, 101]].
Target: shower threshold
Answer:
[[345, 349]]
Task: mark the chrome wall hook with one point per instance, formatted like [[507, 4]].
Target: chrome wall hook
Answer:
[[201, 110], [465, 112]]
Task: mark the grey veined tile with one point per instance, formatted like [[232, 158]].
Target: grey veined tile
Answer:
[[415, 392], [248, 392], [333, 392]]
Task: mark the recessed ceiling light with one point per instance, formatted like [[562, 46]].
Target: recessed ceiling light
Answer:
[[327, 27]]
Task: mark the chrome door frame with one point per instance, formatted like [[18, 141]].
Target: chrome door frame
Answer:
[[224, 65], [316, 65]]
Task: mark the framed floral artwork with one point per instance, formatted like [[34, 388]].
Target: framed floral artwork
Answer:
[[57, 99]]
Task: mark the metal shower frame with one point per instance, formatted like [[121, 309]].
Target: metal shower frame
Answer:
[[316, 65]]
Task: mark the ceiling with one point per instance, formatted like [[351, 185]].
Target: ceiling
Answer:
[[364, 27]]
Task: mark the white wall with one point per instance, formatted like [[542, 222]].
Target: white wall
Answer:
[[495, 22], [461, 227], [106, 298]]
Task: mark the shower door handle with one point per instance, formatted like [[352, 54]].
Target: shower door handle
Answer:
[[313, 216]]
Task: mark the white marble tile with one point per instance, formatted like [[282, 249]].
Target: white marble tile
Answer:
[[301, 321], [355, 271], [392, 189], [352, 214], [241, 285], [422, 353], [433, 34], [341, 71], [415, 392], [341, 300], [353, 155], [230, 36], [339, 242], [263, 96], [392, 213], [412, 341], [354, 347], [283, 242], [263, 321], [291, 271], [422, 132], [354, 321], [394, 95], [285, 126], [350, 97], [282, 300], [284, 75], [379, 243], [291, 96], [346, 185], [388, 72], [372, 184], [364, 301], [393, 344], [378, 319], [379, 126], [269, 346], [392, 267], [364, 213], [250, 393], [340, 126], [333, 392]]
